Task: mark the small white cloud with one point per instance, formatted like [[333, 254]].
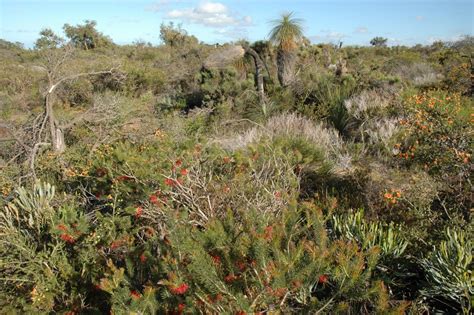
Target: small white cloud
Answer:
[[234, 33], [328, 36], [420, 17], [453, 38], [17, 31], [394, 41], [160, 5], [361, 30], [211, 14], [211, 8]]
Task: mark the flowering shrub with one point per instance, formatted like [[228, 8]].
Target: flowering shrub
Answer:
[[438, 137]]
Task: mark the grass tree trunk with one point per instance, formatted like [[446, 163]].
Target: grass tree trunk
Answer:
[[286, 61], [259, 68]]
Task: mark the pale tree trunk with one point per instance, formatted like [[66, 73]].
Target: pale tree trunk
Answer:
[[57, 135], [286, 61], [56, 131]]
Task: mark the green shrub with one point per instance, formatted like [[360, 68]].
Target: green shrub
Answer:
[[448, 271], [257, 264]]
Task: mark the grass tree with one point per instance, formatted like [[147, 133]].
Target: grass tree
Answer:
[[287, 31]]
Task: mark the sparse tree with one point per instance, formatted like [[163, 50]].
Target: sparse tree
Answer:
[[49, 40], [175, 36], [379, 41], [86, 36], [286, 33]]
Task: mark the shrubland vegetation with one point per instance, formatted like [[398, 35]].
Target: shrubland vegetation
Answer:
[[266, 177]]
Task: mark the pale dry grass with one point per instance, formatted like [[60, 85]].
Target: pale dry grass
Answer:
[[287, 125], [361, 106], [294, 126], [419, 73]]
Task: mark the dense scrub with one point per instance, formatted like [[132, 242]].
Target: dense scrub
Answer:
[[177, 189]]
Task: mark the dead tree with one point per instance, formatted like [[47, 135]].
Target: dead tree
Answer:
[[56, 130], [55, 59]]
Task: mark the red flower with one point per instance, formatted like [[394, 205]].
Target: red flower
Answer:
[[181, 307], [241, 265], [101, 172], [170, 182], [153, 199], [135, 295], [268, 232], [323, 279], [230, 278], [62, 227], [178, 163], [181, 289], [124, 178], [67, 238], [143, 258], [139, 212], [216, 259], [115, 244], [184, 172]]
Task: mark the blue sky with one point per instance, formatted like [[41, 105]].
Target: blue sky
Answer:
[[352, 22]]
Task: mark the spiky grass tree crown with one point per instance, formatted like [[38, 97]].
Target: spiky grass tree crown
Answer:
[[286, 31]]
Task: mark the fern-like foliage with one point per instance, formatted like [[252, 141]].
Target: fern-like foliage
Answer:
[[259, 264]]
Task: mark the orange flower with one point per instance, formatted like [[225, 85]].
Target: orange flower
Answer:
[[388, 195], [138, 212], [184, 172]]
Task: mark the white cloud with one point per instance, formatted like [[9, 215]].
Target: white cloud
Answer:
[[361, 30], [234, 33], [452, 38], [211, 14], [160, 5], [326, 36], [420, 17]]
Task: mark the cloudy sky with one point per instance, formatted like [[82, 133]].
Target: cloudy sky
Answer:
[[404, 22]]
